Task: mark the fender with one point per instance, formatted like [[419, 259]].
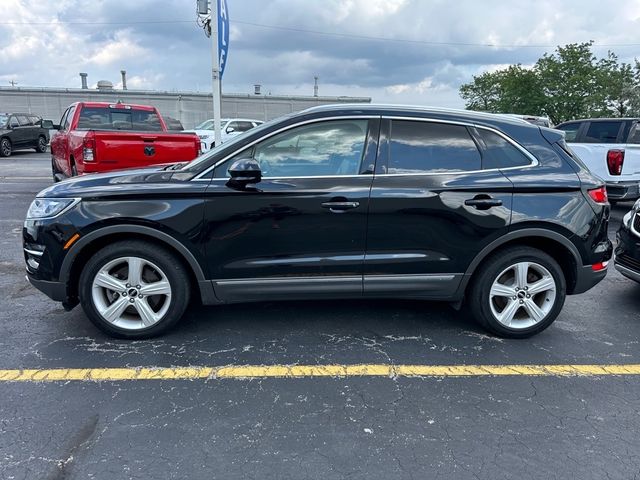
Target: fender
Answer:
[[65, 269], [523, 233]]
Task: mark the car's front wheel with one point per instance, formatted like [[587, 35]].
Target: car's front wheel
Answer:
[[518, 292], [134, 289], [5, 147]]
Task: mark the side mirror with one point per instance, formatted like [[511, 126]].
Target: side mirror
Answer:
[[47, 124], [230, 130], [244, 172]]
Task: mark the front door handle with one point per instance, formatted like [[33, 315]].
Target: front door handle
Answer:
[[340, 207], [483, 202]]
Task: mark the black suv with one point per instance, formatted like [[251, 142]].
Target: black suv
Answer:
[[22, 130], [333, 202]]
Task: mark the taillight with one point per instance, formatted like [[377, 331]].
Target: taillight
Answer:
[[615, 160], [88, 148], [599, 195], [598, 267]]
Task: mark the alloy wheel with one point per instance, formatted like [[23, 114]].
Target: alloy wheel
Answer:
[[131, 293], [522, 295]]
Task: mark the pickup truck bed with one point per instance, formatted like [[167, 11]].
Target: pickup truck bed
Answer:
[[610, 148], [100, 137]]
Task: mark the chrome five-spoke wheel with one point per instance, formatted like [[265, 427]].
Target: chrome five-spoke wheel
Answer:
[[522, 295], [131, 293]]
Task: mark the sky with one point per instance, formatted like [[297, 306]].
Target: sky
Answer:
[[395, 51]]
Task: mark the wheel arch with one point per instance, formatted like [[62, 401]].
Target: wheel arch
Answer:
[[87, 245], [552, 243]]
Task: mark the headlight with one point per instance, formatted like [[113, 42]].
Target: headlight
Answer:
[[42, 208]]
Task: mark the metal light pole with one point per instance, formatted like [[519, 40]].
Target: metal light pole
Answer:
[[215, 70]]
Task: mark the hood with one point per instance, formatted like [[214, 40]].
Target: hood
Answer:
[[120, 181]]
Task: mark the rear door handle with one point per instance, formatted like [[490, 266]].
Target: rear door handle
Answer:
[[340, 207], [483, 203]]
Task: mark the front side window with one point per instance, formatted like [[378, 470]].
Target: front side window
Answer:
[[424, 147], [570, 131], [499, 153], [243, 126], [67, 120], [13, 122], [24, 121], [320, 149]]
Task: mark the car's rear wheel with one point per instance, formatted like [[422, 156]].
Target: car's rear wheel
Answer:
[[5, 147], [134, 289], [41, 146], [518, 292]]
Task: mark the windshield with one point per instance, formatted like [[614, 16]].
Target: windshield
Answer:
[[3, 119], [197, 163], [208, 125]]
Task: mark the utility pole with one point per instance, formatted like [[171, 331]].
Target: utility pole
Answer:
[[215, 70]]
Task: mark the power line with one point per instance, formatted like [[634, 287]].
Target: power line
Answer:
[[330, 34]]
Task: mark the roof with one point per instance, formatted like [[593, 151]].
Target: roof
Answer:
[[603, 119], [386, 109]]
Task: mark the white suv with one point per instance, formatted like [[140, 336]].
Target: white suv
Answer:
[[230, 128]]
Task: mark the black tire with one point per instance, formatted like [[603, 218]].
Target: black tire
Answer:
[[74, 170], [480, 301], [54, 171], [5, 147], [41, 146], [170, 266]]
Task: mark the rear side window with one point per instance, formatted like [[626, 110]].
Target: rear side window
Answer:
[[105, 118], [423, 147], [570, 130], [634, 134], [499, 153], [34, 120], [603, 132]]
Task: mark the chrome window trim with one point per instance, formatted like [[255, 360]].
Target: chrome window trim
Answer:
[[532, 158], [280, 130], [524, 151]]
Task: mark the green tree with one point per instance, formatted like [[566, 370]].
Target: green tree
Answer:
[[566, 84]]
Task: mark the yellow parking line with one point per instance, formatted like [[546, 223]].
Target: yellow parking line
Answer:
[[308, 371]]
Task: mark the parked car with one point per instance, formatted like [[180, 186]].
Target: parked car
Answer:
[[20, 131], [231, 127], [333, 202], [627, 252], [610, 148], [100, 137]]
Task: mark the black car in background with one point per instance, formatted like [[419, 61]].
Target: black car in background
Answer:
[[333, 202], [627, 253], [22, 130]]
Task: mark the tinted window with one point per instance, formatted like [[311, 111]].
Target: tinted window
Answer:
[[63, 120], [570, 130], [242, 126], [320, 149], [23, 120], [13, 122], [34, 120], [603, 132], [423, 147], [104, 118], [499, 153], [69, 117], [634, 135]]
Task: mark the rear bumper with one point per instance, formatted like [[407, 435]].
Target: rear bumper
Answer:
[[623, 190], [586, 279]]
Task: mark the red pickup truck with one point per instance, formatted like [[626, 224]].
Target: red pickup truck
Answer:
[[100, 137]]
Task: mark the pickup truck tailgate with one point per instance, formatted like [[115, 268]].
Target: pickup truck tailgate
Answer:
[[594, 155], [138, 149]]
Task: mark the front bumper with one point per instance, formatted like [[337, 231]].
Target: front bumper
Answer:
[[623, 190], [627, 253], [54, 290]]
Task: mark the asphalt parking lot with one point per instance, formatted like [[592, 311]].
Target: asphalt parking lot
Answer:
[[376, 422]]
